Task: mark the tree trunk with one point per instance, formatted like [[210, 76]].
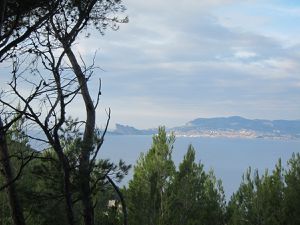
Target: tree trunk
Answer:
[[67, 191], [87, 142], [124, 207], [2, 15], [14, 204]]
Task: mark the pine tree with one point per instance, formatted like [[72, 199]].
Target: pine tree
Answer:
[[292, 191], [194, 197], [152, 174]]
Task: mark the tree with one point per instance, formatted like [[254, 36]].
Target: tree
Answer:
[[241, 205], [51, 46], [186, 193], [18, 19], [259, 200], [9, 174], [193, 196], [292, 191], [214, 207], [152, 174], [40, 188], [64, 28], [158, 194], [15, 208], [270, 196]]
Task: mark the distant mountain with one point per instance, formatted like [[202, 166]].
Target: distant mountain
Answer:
[[237, 123], [234, 126], [128, 130]]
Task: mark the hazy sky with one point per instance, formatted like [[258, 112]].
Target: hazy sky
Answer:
[[179, 60]]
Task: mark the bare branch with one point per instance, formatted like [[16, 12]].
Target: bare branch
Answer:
[[23, 165], [124, 207], [101, 140], [99, 94]]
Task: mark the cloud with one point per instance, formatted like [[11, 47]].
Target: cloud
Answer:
[[200, 65], [244, 54], [176, 60]]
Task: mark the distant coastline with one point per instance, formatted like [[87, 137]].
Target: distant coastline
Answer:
[[226, 127], [246, 134]]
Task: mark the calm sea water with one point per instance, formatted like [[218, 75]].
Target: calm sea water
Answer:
[[229, 158]]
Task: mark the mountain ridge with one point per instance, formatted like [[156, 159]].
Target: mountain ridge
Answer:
[[234, 126]]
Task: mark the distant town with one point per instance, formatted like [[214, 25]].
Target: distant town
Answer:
[[233, 134]]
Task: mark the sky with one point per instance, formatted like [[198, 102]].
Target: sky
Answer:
[[179, 60]]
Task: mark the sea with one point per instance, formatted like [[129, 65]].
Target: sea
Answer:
[[229, 158]]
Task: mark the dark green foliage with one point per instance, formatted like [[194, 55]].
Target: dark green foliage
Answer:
[[146, 192], [108, 210], [272, 199], [194, 196], [158, 194], [292, 191], [186, 192], [40, 185]]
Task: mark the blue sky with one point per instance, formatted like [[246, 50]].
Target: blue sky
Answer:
[[178, 60]]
